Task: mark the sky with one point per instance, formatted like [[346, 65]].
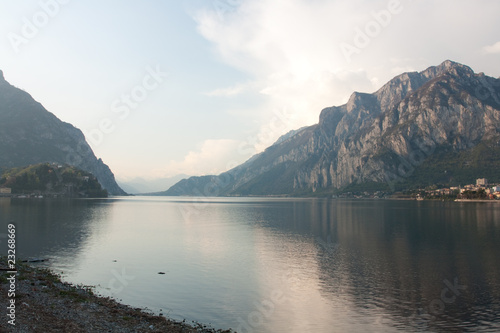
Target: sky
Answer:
[[196, 87]]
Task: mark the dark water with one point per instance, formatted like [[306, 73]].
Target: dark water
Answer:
[[277, 265]]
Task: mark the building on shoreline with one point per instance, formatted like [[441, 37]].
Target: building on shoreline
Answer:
[[482, 190], [5, 191]]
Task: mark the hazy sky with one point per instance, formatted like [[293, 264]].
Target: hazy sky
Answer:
[[196, 87]]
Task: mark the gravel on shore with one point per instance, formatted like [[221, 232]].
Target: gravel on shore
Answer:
[[43, 303]]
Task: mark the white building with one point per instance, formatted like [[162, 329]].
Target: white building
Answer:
[[482, 182]]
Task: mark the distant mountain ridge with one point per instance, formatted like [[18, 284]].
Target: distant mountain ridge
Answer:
[[149, 186], [413, 131], [29, 134]]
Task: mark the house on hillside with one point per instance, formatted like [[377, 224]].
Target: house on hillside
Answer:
[[483, 182]]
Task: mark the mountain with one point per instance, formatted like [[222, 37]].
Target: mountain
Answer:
[[441, 125], [29, 134], [149, 186]]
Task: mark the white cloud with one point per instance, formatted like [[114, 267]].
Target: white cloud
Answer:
[[492, 49], [226, 92], [212, 157]]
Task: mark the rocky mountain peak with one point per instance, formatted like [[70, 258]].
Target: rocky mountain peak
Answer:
[[362, 101], [354, 101], [448, 67], [351, 103], [398, 88]]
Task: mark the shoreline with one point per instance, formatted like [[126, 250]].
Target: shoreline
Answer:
[[44, 303], [476, 200]]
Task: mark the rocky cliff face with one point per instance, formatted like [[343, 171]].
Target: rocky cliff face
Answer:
[[29, 134], [381, 138]]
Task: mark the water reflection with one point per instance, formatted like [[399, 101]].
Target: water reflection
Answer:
[[51, 228], [425, 266], [279, 265]]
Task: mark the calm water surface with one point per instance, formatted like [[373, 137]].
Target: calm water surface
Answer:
[[277, 265]]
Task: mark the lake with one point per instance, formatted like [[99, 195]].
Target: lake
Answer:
[[276, 264]]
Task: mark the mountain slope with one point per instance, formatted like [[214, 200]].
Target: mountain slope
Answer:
[[378, 141], [29, 134]]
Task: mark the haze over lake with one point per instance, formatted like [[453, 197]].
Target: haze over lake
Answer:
[[277, 265]]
